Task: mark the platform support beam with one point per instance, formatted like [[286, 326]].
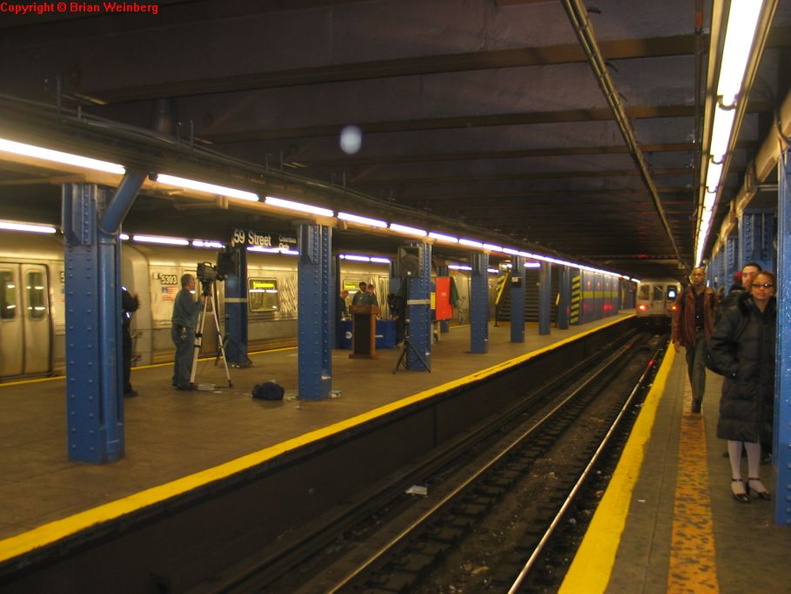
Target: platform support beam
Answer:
[[236, 310], [479, 303], [517, 299], [564, 305], [782, 420], [418, 290], [756, 238], [92, 284], [314, 323], [544, 298]]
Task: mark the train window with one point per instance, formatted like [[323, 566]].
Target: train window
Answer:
[[659, 292], [645, 292], [672, 292], [263, 295], [36, 295], [8, 296]]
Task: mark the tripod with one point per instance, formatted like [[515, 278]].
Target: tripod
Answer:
[[209, 309], [408, 348]]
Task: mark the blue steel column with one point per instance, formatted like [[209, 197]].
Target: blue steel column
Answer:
[[564, 306], [236, 311], [419, 313], [782, 420], [92, 259], [314, 348], [517, 299], [479, 303], [756, 238], [715, 271], [732, 263], [544, 298], [444, 325]]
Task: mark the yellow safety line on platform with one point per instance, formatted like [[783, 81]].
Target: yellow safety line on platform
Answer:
[[693, 566], [59, 529], [590, 571]]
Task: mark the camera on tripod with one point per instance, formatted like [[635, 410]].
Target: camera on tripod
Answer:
[[207, 274]]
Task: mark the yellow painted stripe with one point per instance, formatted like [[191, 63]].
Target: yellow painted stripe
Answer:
[[59, 529], [693, 566], [590, 571]]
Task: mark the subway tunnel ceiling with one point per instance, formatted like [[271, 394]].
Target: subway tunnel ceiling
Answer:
[[484, 114]]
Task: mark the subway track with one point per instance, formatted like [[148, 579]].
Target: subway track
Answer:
[[504, 507]]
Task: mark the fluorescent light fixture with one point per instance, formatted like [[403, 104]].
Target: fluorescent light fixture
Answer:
[[298, 206], [159, 240], [345, 216], [192, 184], [27, 227], [471, 243], [492, 271], [709, 199], [739, 36], [28, 150], [713, 174], [355, 258], [376, 260], [407, 230], [442, 237], [124, 237], [459, 267], [493, 248], [511, 251], [721, 132], [532, 264], [205, 243], [529, 255]]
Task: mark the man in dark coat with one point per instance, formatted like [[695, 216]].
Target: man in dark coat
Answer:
[[129, 305], [693, 322]]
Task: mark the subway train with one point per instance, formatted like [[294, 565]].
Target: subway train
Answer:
[[32, 299], [655, 300]]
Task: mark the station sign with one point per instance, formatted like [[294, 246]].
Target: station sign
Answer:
[[252, 238]]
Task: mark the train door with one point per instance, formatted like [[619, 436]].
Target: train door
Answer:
[[26, 339], [11, 331]]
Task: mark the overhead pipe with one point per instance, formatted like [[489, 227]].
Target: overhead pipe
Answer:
[[578, 16]]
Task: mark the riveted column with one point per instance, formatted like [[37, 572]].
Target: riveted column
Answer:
[[94, 390], [418, 291], [782, 420], [564, 305], [314, 349], [715, 271], [479, 303], [544, 298], [517, 299], [756, 238], [731, 256]]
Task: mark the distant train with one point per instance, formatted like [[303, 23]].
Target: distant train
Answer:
[[655, 299], [32, 299]]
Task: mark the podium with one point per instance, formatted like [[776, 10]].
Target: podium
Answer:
[[363, 331]]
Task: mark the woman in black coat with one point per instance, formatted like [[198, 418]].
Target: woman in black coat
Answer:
[[742, 347]]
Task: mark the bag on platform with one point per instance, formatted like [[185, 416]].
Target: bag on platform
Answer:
[[268, 391]]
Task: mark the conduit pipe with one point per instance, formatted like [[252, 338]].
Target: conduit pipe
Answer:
[[583, 28]]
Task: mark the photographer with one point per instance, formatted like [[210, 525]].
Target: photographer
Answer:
[[185, 320]]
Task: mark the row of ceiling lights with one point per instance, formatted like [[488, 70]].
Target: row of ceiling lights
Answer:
[[45, 154], [742, 22]]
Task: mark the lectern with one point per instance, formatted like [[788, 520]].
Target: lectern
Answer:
[[363, 331]]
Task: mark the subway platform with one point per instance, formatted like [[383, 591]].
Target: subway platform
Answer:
[[668, 521], [175, 439]]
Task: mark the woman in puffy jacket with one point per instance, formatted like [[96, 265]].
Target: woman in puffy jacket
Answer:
[[742, 347]]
